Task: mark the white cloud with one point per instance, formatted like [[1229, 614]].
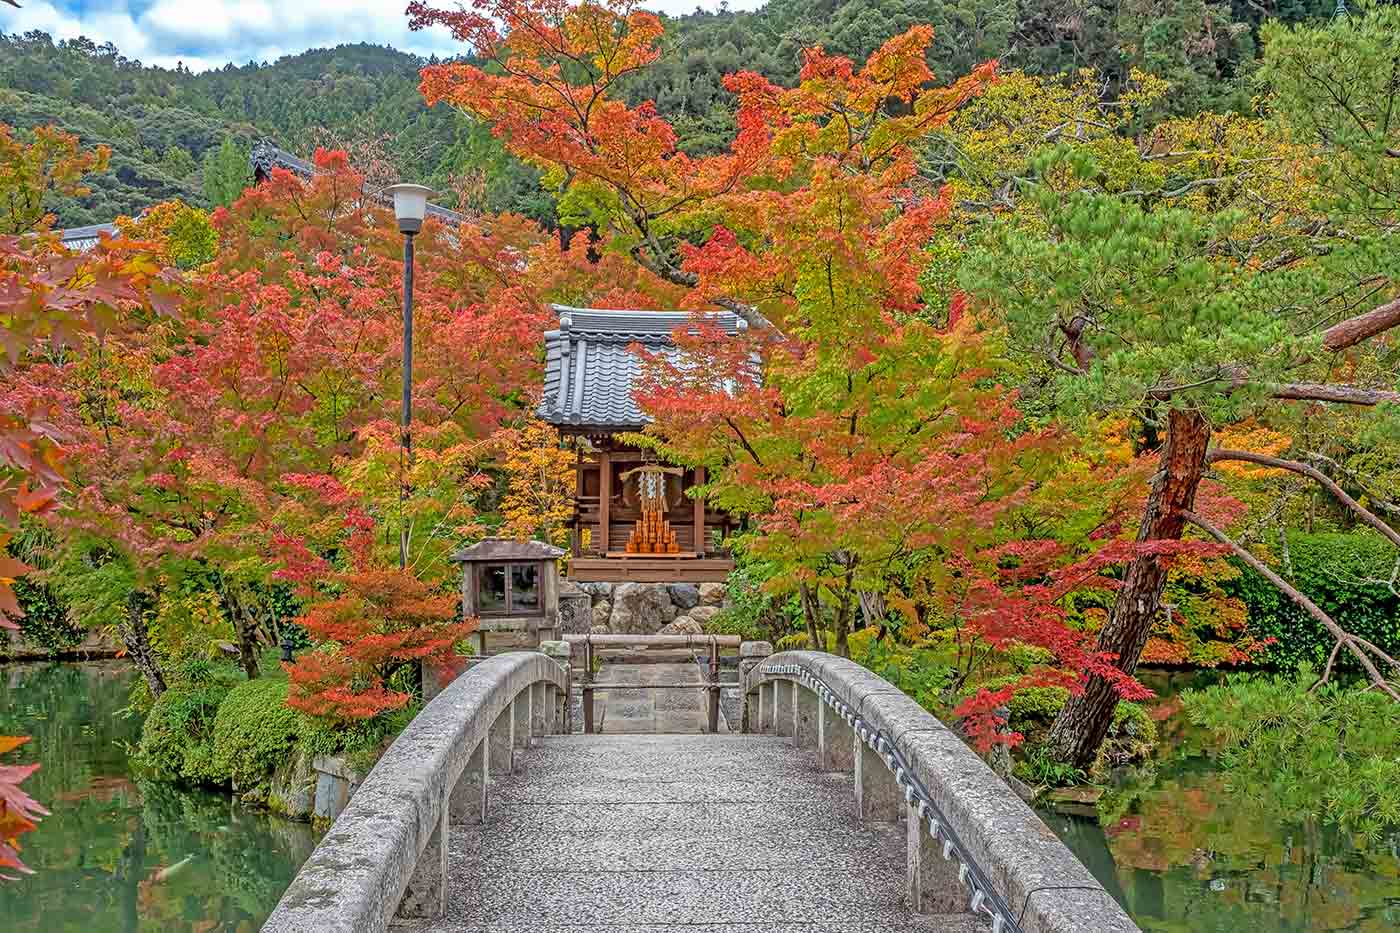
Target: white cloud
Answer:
[[211, 33]]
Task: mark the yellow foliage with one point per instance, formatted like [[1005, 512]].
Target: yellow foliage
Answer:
[[1254, 438], [179, 234], [189, 623], [539, 500]]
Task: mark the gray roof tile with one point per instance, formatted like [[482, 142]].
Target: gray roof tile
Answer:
[[82, 239], [591, 371], [265, 157]]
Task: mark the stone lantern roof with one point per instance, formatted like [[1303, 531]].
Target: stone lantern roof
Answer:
[[507, 549]]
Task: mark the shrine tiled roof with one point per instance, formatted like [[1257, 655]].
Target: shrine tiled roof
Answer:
[[82, 239], [591, 370], [266, 156]]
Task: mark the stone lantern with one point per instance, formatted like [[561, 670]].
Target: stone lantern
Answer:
[[511, 586]]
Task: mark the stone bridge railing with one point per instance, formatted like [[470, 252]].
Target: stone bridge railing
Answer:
[[973, 844], [387, 851]]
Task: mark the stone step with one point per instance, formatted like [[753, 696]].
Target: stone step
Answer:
[[724, 818], [691, 848], [941, 923]]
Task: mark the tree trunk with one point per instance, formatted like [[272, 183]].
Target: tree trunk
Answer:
[[136, 637], [843, 626], [812, 615], [872, 608], [247, 645], [245, 625], [1083, 722]]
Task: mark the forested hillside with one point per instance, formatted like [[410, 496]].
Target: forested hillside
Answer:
[[166, 127]]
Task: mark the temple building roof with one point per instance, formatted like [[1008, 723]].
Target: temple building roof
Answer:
[[82, 239], [266, 156], [591, 372]]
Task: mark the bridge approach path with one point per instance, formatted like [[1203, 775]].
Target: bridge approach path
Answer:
[[701, 833]]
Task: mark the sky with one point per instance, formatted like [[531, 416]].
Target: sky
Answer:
[[211, 33]]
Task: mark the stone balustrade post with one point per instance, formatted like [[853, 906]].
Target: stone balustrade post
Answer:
[[751, 655], [783, 696], [767, 693], [878, 798], [501, 755], [540, 710], [835, 742], [426, 894], [931, 881], [520, 713], [562, 654], [806, 711], [470, 799]]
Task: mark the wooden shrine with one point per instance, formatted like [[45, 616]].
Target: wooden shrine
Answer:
[[633, 519]]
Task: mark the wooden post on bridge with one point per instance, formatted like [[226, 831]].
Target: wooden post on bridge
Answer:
[[588, 686], [713, 690]]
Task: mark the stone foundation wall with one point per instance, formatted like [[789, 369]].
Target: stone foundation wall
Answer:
[[651, 608]]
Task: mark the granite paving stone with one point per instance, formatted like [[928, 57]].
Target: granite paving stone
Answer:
[[643, 833]]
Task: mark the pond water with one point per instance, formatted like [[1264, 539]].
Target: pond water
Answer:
[[119, 853], [1182, 852]]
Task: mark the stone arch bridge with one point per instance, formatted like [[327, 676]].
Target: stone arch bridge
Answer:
[[837, 804]]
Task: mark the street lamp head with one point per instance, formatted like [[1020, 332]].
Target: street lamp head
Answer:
[[410, 204]]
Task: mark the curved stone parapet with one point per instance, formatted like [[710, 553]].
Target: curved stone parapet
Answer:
[[387, 850], [967, 829]]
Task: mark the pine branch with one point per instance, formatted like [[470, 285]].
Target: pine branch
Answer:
[[1354, 644], [1316, 475]]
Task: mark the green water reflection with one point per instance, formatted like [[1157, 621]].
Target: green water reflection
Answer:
[[121, 854], [1181, 853]]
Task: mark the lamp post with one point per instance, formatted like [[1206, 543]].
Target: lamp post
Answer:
[[410, 204]]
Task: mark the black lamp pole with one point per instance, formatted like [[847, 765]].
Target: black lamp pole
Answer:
[[410, 205], [406, 446]]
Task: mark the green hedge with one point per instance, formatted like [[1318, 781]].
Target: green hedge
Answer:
[[253, 732], [1326, 568], [177, 736]]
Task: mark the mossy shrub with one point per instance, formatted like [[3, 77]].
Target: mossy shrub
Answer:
[[177, 736], [253, 733]]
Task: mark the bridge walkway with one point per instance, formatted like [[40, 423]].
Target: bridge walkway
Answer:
[[619, 710], [702, 833]]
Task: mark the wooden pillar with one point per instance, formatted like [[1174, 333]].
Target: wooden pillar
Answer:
[[699, 514], [576, 533], [604, 501]]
